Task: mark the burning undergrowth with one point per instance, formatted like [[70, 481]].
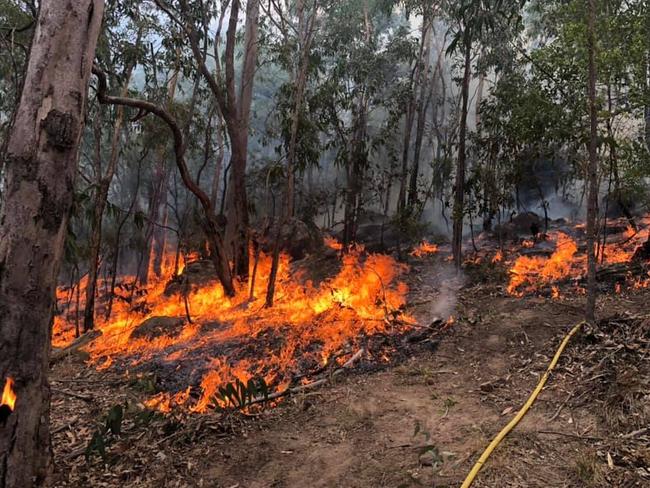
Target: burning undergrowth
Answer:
[[196, 339], [548, 261]]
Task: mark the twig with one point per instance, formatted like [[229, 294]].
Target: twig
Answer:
[[636, 433], [61, 428], [85, 398], [566, 434], [80, 341]]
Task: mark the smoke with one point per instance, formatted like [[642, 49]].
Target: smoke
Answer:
[[448, 283]]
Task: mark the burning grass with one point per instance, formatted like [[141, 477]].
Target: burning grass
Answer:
[[534, 273], [232, 339], [423, 249]]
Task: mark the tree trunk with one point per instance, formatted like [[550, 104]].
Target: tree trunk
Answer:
[[423, 102], [592, 169], [237, 123], [158, 201], [218, 164], [103, 185], [305, 32], [211, 228], [459, 187], [118, 234], [40, 170]]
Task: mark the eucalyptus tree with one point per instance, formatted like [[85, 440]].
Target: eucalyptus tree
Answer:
[[194, 21], [470, 21], [362, 52], [297, 27], [592, 168], [127, 57], [40, 169]]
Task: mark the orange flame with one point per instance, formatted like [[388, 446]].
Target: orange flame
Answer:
[[8, 394], [423, 249], [332, 243], [308, 320], [531, 272]]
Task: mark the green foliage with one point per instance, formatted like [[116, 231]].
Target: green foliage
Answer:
[[240, 395], [102, 437]]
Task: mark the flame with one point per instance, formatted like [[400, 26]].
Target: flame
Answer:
[[8, 394], [307, 324], [529, 273], [498, 257], [423, 249], [555, 292], [332, 243]]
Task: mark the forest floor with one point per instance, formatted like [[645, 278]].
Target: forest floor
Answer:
[[422, 420]]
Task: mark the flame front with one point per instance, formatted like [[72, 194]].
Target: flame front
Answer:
[[8, 394], [529, 274], [238, 338]]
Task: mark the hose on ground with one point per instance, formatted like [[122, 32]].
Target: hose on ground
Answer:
[[531, 399]]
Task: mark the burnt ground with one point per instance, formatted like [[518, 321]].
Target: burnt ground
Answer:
[[420, 420]]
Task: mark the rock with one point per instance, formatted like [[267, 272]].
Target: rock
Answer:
[[155, 327], [196, 274], [297, 238], [523, 222], [430, 458]]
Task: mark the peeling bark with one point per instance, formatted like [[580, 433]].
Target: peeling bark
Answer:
[[40, 170]]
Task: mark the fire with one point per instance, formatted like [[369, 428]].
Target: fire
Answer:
[[498, 257], [529, 273], [555, 292], [332, 243], [8, 394], [423, 249], [308, 324]]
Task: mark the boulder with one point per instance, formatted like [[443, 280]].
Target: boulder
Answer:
[[155, 327], [196, 274], [297, 238], [526, 221]]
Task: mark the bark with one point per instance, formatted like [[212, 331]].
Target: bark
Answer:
[[592, 169], [459, 187], [236, 234], [218, 164], [103, 184], [40, 169]]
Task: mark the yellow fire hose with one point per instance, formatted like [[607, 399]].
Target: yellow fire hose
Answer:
[[531, 399]]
